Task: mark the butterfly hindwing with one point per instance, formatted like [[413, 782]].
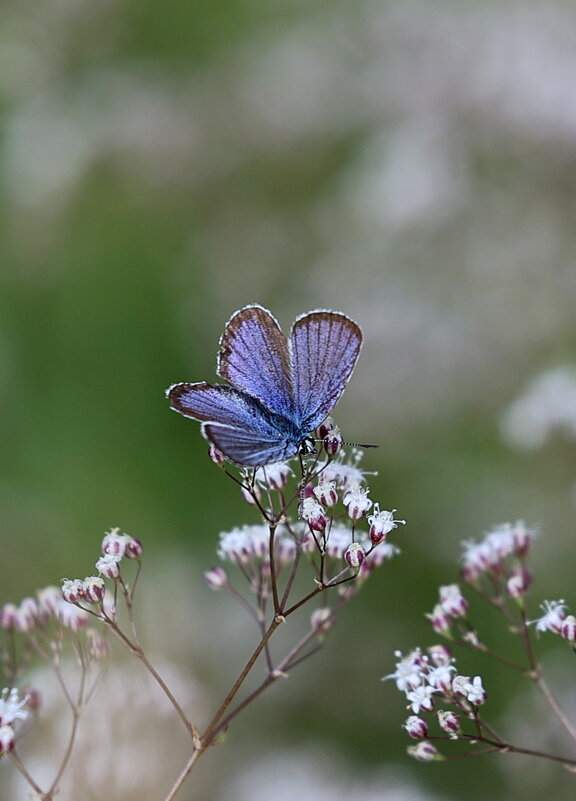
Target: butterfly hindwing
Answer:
[[248, 448]]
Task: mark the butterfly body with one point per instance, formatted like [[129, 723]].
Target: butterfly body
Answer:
[[278, 389]]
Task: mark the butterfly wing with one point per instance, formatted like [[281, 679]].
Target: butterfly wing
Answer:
[[325, 346], [242, 429], [248, 448], [254, 356]]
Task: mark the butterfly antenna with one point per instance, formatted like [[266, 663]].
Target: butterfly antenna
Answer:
[[353, 444]]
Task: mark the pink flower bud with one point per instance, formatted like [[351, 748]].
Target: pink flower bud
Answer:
[[439, 620], [251, 495], [355, 555], [274, 476], [216, 578], [325, 427], [215, 455], [522, 537], [98, 646], [440, 655], [114, 542], [8, 616], [48, 599], [27, 615], [332, 442], [33, 699], [109, 565], [134, 548], [568, 630], [7, 737], [416, 727], [326, 493], [321, 620], [72, 617], [313, 514], [449, 721], [72, 590], [424, 752], [518, 583], [452, 601], [93, 589]]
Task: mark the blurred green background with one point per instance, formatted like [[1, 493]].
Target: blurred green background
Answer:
[[412, 164]]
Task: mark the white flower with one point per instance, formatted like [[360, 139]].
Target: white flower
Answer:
[[553, 617], [475, 692], [410, 670], [11, 706], [421, 698]]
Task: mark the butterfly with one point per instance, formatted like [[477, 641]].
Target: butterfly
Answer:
[[278, 388]]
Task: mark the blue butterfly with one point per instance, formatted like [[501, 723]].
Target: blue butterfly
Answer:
[[279, 389]]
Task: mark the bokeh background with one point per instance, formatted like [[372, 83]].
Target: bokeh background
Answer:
[[412, 164]]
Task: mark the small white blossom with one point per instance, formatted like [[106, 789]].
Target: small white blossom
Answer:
[[553, 617], [356, 501], [421, 698], [382, 523], [475, 692], [274, 475], [410, 670], [11, 706]]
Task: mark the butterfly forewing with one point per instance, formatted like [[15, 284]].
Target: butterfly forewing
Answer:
[[325, 346], [254, 357]]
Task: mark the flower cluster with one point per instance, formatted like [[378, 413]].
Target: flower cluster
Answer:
[[11, 710], [92, 589], [332, 491], [431, 683], [500, 554], [496, 569]]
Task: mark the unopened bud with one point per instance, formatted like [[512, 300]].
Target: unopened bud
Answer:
[[440, 621], [251, 495], [313, 514], [93, 589], [99, 647], [568, 629], [449, 722], [48, 599], [440, 655], [355, 555], [326, 493], [332, 442], [321, 620], [8, 616], [416, 727], [216, 578], [424, 752], [7, 737], [27, 615], [518, 583], [325, 427], [452, 601], [114, 542], [134, 548], [215, 455], [72, 590], [109, 565]]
